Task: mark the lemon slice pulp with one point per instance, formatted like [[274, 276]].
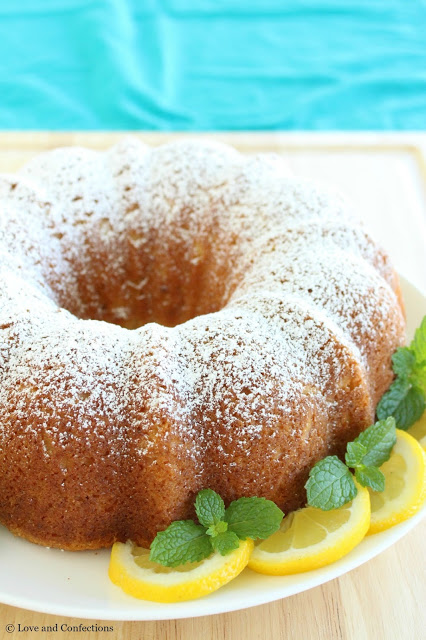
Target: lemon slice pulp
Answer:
[[405, 485], [418, 431], [131, 569], [311, 538]]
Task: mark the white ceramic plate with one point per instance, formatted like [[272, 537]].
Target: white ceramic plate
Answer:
[[76, 584]]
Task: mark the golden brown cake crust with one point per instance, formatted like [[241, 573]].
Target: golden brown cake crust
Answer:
[[173, 319]]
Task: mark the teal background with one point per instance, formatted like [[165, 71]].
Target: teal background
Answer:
[[213, 64]]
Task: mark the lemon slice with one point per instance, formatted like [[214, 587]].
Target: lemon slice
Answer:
[[131, 569], [418, 431], [405, 484], [311, 538]]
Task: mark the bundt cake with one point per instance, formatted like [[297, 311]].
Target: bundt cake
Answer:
[[172, 319]]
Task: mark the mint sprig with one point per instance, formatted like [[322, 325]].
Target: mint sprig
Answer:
[[219, 530], [405, 399], [183, 541], [253, 518], [418, 344], [370, 477], [225, 542], [378, 441], [355, 451], [209, 507], [403, 361], [331, 484]]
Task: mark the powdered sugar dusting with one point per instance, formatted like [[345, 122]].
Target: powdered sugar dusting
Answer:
[[283, 308], [95, 198]]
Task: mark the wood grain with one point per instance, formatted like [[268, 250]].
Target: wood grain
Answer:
[[385, 598], [382, 600]]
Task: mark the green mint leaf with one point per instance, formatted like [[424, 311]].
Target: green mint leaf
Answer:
[[418, 377], [411, 409], [370, 477], [253, 518], [215, 529], [378, 440], [403, 361], [404, 401], [209, 507], [330, 484], [392, 398], [183, 541], [418, 345], [355, 452], [225, 542]]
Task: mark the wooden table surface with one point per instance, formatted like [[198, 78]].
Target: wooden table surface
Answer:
[[384, 599]]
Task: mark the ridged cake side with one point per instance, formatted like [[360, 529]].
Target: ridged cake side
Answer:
[[263, 321]]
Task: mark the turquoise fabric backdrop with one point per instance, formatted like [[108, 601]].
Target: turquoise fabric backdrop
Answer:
[[212, 64]]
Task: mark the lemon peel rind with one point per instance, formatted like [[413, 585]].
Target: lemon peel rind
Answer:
[[299, 562], [124, 573], [376, 525]]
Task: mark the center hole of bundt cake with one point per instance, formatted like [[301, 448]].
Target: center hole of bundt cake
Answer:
[[168, 285], [166, 305]]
